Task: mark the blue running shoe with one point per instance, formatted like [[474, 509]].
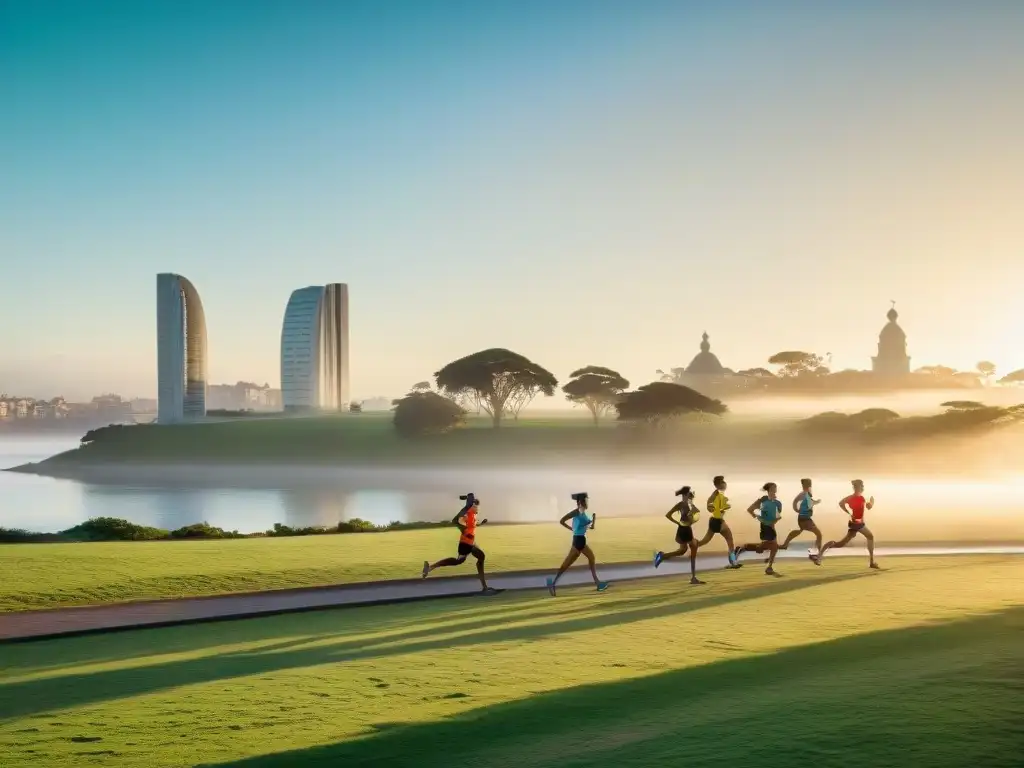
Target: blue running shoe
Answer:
[[658, 557], [551, 587], [602, 586]]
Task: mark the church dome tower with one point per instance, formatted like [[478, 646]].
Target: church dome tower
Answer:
[[705, 363], [892, 358]]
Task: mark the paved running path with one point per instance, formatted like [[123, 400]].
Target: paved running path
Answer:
[[37, 625]]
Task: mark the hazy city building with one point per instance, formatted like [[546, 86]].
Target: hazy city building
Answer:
[[314, 349], [892, 358], [705, 362], [181, 350]]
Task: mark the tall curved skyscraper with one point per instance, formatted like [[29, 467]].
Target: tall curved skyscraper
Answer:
[[314, 349], [180, 350]]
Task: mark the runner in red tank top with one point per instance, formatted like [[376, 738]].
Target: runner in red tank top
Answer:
[[854, 505], [465, 520]]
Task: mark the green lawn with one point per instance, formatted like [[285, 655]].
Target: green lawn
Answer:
[[921, 664], [54, 575]]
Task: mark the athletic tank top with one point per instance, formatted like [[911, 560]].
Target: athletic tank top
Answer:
[[719, 505], [469, 534], [580, 524], [688, 516], [856, 505], [806, 508], [771, 510]]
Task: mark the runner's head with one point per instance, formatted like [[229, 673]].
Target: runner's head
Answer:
[[805, 483], [858, 486], [719, 482], [686, 492], [581, 500], [770, 489]]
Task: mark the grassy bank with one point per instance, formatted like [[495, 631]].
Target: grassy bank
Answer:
[[370, 440], [56, 575], [830, 667]]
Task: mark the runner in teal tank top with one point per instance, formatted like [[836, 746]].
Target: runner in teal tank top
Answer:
[[767, 511], [581, 523], [804, 505]]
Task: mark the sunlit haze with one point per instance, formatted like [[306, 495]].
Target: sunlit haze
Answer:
[[582, 182]]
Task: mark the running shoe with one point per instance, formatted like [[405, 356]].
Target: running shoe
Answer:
[[736, 552], [551, 587], [426, 568], [658, 557], [875, 566], [602, 586], [732, 558]]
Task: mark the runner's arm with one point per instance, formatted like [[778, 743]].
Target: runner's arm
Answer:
[[457, 521], [797, 500], [711, 503], [842, 504], [566, 518], [871, 503], [675, 508], [593, 521], [752, 507]]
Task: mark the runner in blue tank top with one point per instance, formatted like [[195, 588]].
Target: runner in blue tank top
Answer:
[[767, 511], [581, 523], [804, 505]]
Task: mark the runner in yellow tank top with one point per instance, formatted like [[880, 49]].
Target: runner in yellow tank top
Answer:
[[718, 505]]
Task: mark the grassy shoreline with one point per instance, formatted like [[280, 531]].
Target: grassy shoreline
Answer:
[[369, 441]]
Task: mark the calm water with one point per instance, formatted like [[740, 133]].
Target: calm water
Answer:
[[43, 504]]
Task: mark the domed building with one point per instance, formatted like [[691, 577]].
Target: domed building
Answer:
[[892, 358], [706, 363]]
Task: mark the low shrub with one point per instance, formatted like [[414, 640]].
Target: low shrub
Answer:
[[115, 529]]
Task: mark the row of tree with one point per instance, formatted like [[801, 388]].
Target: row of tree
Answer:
[[501, 383], [793, 364]]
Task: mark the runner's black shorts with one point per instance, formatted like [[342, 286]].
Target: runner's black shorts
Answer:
[[465, 549], [715, 524], [768, 533], [855, 527], [684, 534], [579, 543]]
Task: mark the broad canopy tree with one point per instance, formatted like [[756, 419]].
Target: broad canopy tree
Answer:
[[662, 400], [498, 380], [1014, 377], [795, 363], [986, 369], [597, 389]]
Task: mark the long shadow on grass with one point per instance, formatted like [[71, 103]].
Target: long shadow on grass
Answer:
[[27, 697], [945, 694], [316, 625]]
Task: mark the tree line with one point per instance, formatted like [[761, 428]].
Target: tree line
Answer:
[[792, 366], [500, 383]]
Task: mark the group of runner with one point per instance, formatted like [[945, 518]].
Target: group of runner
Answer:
[[767, 510]]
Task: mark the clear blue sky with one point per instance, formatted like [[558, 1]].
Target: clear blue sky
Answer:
[[584, 182]]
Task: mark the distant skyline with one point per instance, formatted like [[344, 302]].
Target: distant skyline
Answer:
[[583, 182]]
